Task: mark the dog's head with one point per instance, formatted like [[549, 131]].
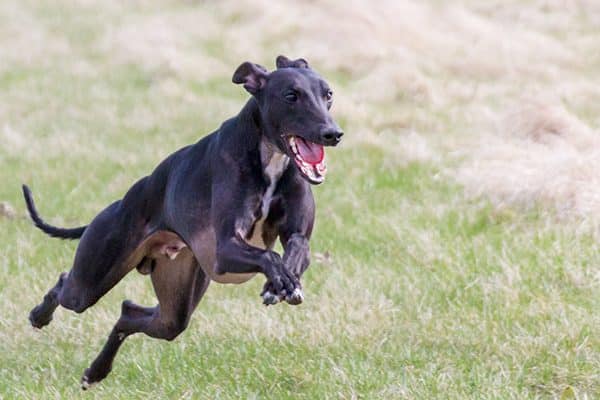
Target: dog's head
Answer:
[[294, 103]]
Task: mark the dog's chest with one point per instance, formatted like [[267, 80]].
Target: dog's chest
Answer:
[[273, 170]]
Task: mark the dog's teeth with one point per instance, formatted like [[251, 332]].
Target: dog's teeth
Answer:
[[321, 167]]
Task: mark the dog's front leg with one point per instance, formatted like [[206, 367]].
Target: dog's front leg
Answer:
[[294, 234], [296, 258], [236, 256], [233, 217]]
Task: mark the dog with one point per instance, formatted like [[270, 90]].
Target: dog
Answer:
[[211, 211]]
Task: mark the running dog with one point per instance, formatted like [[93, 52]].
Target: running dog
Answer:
[[211, 211]]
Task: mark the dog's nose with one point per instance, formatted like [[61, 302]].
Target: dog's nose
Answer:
[[332, 136]]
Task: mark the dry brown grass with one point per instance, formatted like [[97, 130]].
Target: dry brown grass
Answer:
[[540, 153], [421, 79]]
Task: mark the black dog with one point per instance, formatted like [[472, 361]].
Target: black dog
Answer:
[[210, 211]]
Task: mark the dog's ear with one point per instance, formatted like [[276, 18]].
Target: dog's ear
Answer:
[[284, 62], [253, 76]]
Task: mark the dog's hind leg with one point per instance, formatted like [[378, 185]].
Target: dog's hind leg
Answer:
[[71, 294], [131, 314], [41, 315], [77, 294], [179, 285], [111, 246]]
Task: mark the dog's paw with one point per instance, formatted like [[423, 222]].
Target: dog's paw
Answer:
[[269, 299], [38, 317], [270, 296], [295, 298], [93, 375], [85, 383]]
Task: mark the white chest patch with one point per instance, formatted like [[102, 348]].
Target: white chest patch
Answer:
[[274, 169], [274, 164]]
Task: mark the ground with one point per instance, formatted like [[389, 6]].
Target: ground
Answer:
[[455, 252]]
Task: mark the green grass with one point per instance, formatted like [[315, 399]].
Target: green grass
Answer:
[[415, 290]]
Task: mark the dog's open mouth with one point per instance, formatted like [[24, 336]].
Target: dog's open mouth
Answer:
[[309, 157]]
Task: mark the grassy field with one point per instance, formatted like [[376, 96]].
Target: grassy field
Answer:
[[456, 248]]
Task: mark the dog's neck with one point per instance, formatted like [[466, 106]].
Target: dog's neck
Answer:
[[273, 161]]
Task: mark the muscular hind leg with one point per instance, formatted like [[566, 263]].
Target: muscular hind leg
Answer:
[[74, 295], [99, 265], [179, 285], [41, 315], [131, 315]]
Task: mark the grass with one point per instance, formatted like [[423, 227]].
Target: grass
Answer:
[[417, 289]]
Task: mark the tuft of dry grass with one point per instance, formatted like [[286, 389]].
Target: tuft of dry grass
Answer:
[[539, 155]]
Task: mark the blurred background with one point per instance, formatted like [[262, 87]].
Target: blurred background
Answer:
[[455, 249]]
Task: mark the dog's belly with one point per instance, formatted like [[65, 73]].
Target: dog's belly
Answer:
[[232, 278]]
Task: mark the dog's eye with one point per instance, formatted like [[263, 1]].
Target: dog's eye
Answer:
[[329, 95], [291, 96]]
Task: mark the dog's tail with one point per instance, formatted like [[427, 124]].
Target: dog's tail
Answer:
[[63, 233]]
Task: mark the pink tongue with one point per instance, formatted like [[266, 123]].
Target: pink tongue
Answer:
[[310, 152]]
